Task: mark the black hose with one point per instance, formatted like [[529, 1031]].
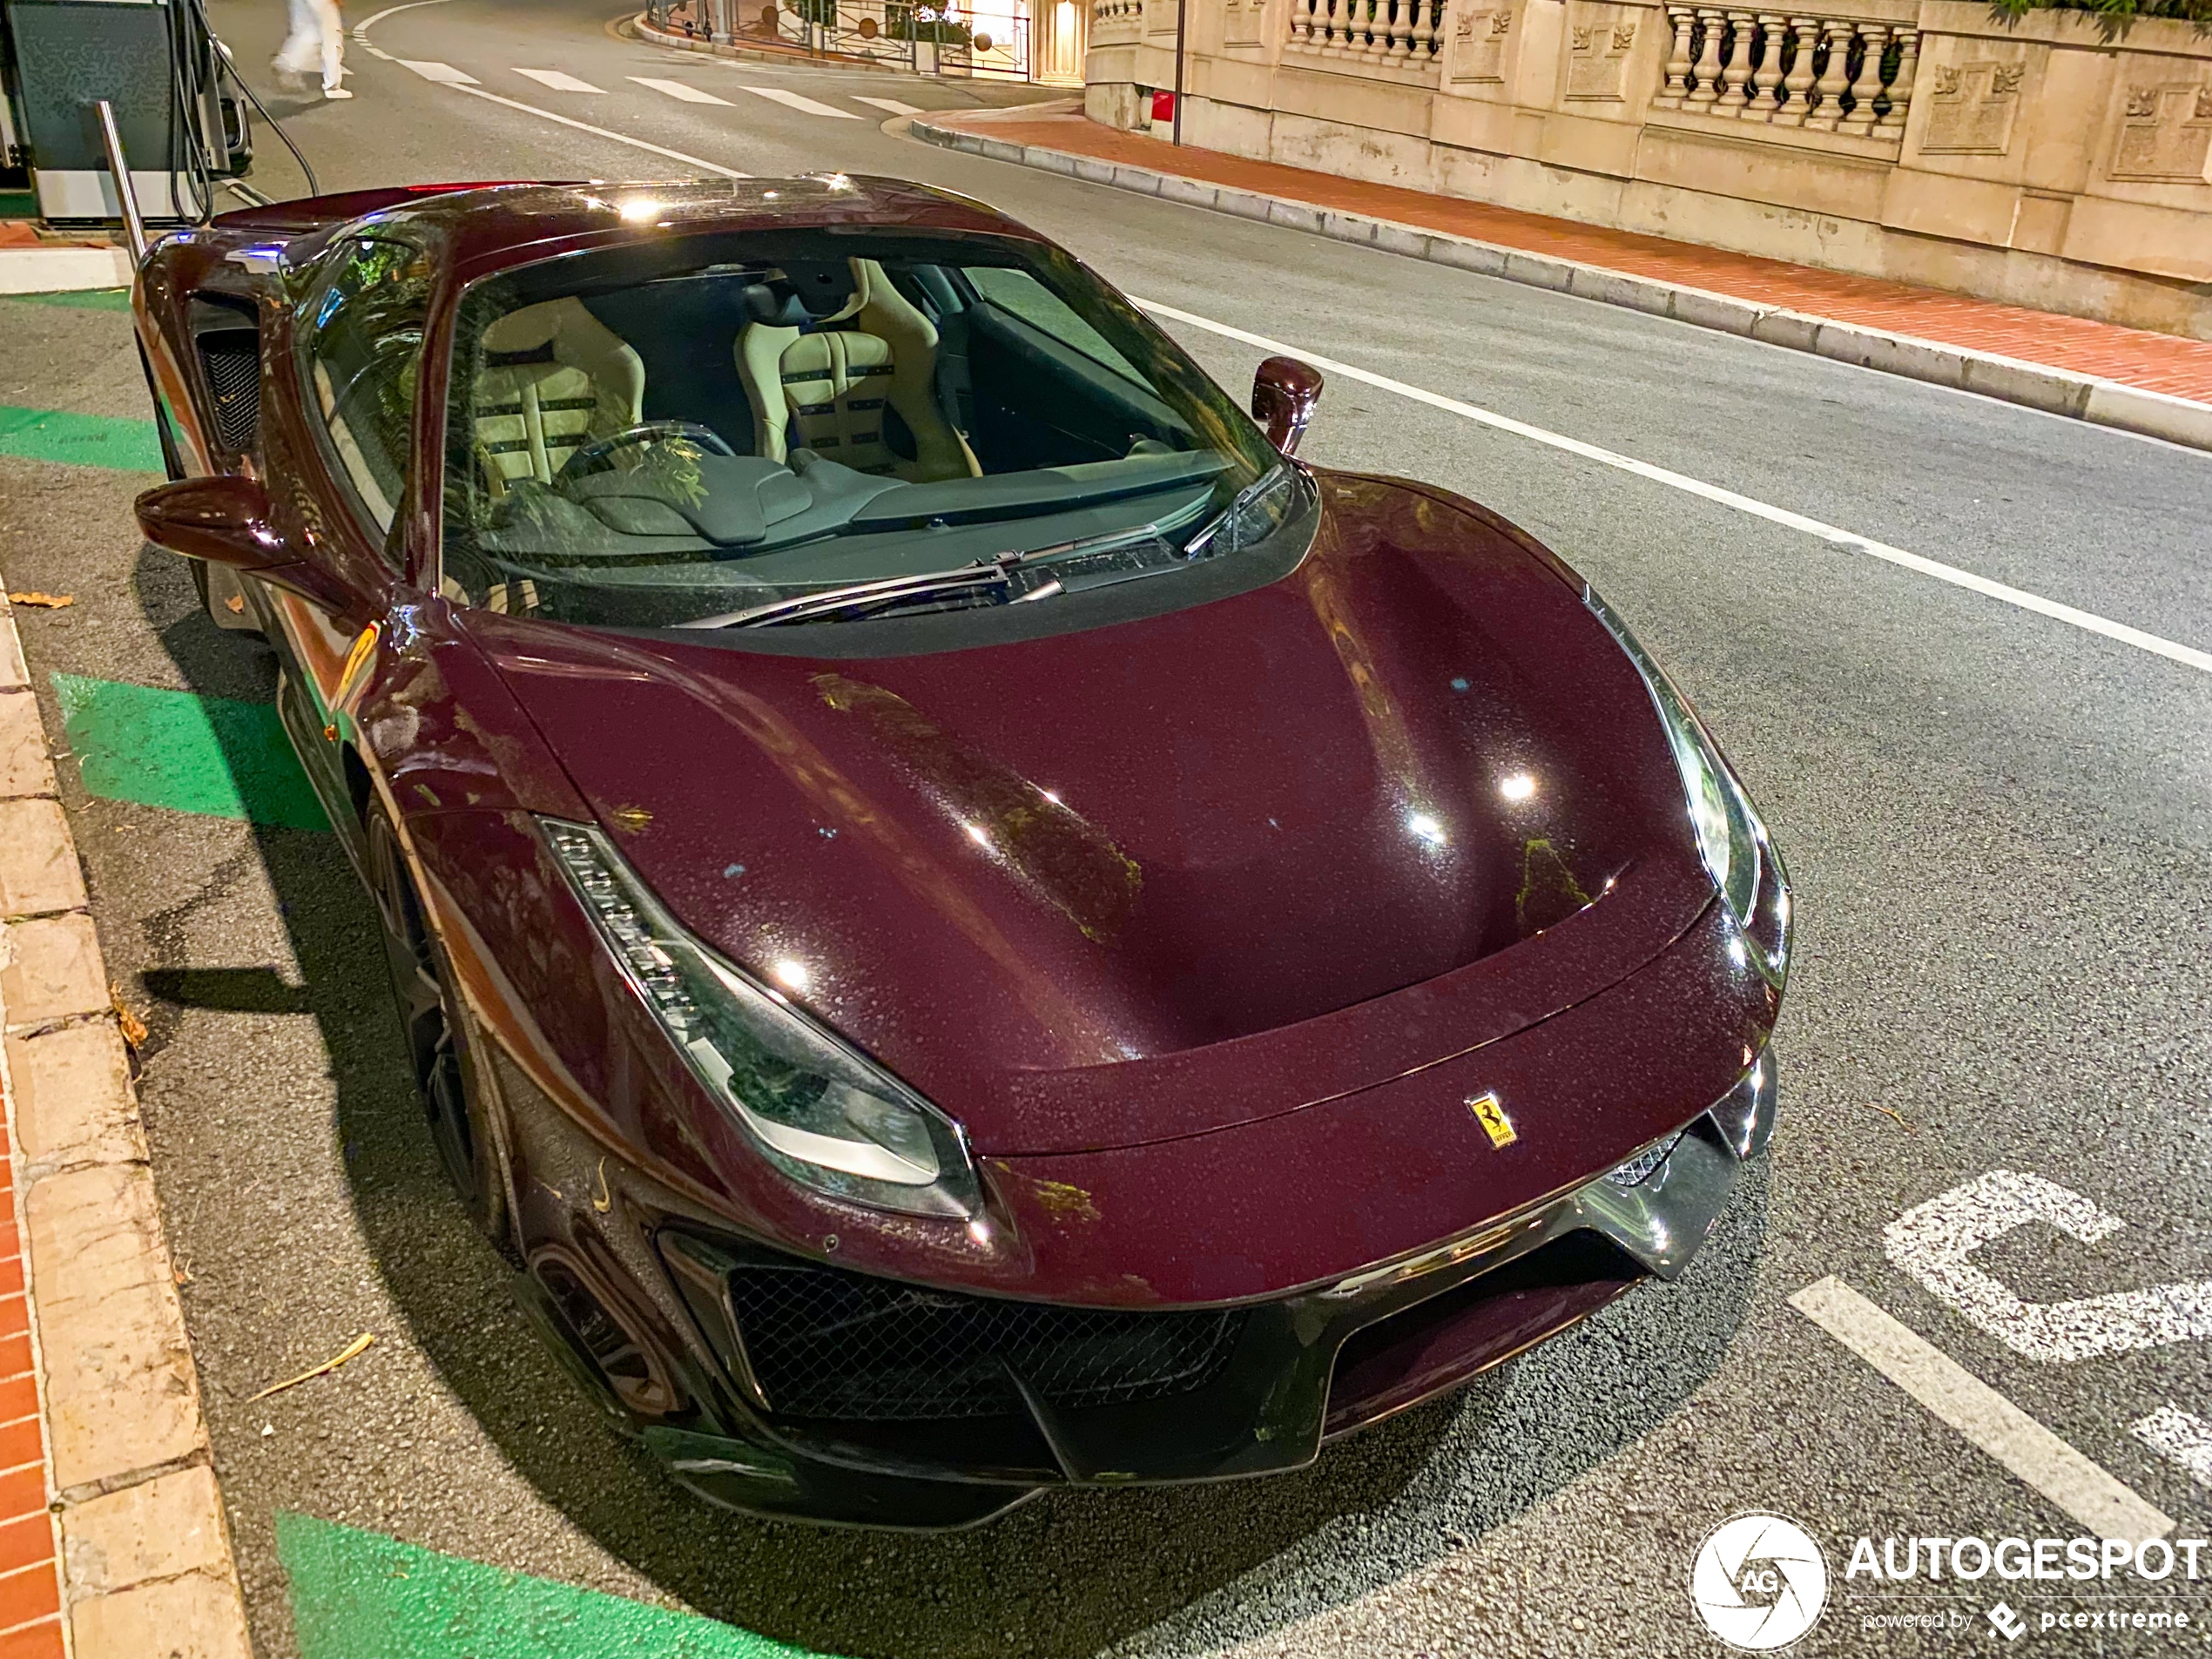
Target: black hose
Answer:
[[238, 79]]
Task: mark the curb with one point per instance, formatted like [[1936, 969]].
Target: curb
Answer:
[[63, 270], [2036, 385], [144, 1550]]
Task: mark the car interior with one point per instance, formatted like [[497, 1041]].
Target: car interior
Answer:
[[808, 423]]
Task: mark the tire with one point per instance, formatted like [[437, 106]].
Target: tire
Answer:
[[441, 1058]]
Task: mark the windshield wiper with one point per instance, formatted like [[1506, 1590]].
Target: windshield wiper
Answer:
[[984, 576], [1244, 498]]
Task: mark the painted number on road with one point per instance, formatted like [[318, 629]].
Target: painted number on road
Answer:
[[1933, 1242]]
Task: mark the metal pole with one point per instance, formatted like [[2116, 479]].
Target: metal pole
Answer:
[[1182, 17], [133, 226]]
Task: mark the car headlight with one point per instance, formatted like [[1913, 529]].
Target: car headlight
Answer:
[[820, 1113], [1732, 842]]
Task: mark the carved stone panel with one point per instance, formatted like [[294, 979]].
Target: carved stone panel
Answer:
[[1478, 43], [2166, 133], [1971, 108], [1602, 37]]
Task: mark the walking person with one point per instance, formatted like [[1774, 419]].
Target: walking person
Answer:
[[317, 41]]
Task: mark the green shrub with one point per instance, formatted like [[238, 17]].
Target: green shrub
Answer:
[[2113, 17]]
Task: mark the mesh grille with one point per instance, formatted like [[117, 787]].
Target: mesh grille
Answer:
[[1638, 1169], [829, 1344], [231, 360]]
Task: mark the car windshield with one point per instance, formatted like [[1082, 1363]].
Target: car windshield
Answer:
[[746, 429]]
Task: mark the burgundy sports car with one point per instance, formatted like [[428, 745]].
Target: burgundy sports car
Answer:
[[971, 924]]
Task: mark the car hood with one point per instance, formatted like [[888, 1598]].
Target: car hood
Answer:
[[1137, 881]]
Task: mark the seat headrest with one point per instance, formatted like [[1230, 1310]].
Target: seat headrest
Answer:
[[764, 305], [824, 287], [535, 326]]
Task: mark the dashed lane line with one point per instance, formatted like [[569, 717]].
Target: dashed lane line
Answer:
[[801, 102], [2082, 1489], [677, 90], [559, 80], [2089, 621], [889, 105], [443, 74]]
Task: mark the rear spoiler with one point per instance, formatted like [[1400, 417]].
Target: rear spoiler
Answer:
[[308, 213]]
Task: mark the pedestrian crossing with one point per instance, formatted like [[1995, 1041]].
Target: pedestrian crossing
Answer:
[[799, 101], [679, 92], [560, 82]]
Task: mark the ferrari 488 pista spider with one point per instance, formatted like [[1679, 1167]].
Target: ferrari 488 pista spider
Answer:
[[971, 923]]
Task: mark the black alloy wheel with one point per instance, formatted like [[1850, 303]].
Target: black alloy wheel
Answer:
[[434, 1029]]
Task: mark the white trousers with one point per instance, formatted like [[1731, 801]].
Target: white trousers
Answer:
[[317, 40]]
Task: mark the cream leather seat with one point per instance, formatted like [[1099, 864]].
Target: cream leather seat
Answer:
[[877, 353], [555, 377]]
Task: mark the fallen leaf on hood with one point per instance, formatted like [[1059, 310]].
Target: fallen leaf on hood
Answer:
[[46, 601], [235, 605], [354, 1350]]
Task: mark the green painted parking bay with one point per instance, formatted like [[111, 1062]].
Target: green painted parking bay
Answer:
[[361, 1595], [79, 440], [218, 756]]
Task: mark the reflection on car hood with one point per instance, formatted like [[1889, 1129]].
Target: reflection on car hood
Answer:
[[1137, 881]]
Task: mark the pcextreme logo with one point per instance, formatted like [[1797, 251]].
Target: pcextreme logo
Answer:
[[1758, 1581]]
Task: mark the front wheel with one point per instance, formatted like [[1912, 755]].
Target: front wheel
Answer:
[[435, 1032]]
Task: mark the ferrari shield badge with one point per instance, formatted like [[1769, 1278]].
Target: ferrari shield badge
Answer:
[[1490, 1112]]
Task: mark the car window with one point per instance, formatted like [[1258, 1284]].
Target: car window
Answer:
[[1027, 298], [670, 434], [363, 341]]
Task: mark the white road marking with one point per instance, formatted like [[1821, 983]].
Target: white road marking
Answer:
[[558, 81], [679, 92], [715, 167], [799, 101], [2082, 1489], [2178, 1435], [890, 105], [1931, 1241], [444, 74], [361, 29], [2089, 621]]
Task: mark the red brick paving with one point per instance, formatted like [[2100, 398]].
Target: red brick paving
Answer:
[[30, 1587], [2132, 356]]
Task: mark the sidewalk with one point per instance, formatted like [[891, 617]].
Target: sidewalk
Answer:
[[34, 261], [2127, 377], [112, 1539]]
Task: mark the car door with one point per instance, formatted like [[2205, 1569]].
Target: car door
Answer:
[[339, 465]]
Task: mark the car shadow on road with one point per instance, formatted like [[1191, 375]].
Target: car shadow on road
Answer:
[[1158, 1570]]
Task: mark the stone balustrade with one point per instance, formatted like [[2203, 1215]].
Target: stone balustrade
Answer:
[[2033, 161], [1826, 74], [1369, 35], [1116, 21]]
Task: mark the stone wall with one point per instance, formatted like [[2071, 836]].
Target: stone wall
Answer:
[[1913, 139]]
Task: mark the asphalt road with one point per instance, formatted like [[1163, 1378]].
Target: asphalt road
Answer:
[[1998, 825]]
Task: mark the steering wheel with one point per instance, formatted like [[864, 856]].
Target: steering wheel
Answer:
[[588, 458]]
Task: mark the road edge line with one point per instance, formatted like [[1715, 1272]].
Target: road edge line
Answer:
[[2008, 380], [141, 1543], [2081, 1488]]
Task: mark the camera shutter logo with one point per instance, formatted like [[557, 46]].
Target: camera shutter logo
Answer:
[[1759, 1581]]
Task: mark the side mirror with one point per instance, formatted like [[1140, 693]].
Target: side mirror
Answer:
[[1284, 394], [222, 519]]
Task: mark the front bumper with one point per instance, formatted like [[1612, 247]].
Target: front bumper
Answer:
[[1287, 1375]]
